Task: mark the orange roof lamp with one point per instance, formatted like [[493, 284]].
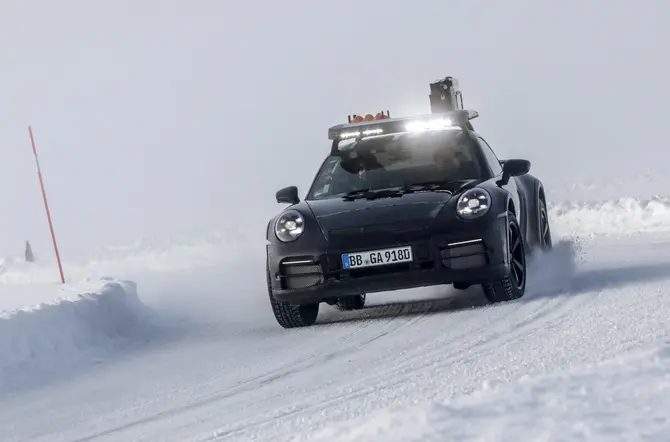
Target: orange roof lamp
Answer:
[[369, 117]]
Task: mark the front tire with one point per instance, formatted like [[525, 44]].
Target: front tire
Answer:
[[291, 315], [544, 229], [512, 286]]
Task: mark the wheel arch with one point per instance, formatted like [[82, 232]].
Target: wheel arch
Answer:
[[531, 192], [268, 228]]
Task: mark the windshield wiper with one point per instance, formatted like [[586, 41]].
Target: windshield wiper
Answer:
[[427, 186], [376, 193], [356, 194], [431, 186]]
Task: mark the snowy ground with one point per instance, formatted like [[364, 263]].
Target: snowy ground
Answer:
[[622, 399], [198, 357]]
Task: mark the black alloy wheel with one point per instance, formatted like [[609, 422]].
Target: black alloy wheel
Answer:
[[513, 285], [517, 256]]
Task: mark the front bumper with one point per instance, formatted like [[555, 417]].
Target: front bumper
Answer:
[[474, 255]]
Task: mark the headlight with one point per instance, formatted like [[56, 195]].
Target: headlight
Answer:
[[473, 203], [289, 226]]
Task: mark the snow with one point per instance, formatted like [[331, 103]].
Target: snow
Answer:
[[626, 398], [622, 216], [200, 357], [147, 255], [172, 337], [69, 327], [218, 368]]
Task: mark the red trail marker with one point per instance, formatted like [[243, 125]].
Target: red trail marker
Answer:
[[46, 205]]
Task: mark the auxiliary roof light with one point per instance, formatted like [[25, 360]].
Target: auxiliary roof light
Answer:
[[363, 133], [358, 127], [424, 125]]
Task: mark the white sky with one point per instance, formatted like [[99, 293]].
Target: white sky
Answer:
[[153, 117]]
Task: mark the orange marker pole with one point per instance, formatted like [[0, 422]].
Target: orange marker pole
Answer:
[[46, 205]]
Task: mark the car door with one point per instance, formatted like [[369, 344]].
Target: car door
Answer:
[[496, 170]]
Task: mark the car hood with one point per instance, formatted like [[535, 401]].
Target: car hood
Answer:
[[339, 213]]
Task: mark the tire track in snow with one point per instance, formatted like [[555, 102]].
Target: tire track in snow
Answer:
[[548, 312], [355, 340], [537, 312], [270, 376], [402, 317], [340, 369]]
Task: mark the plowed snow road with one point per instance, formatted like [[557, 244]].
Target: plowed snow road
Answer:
[[211, 378]]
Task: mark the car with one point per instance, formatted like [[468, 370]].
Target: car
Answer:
[[400, 203]]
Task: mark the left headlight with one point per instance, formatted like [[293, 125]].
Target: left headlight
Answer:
[[289, 226], [473, 203]]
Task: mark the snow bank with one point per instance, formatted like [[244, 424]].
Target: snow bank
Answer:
[[623, 216], [81, 324], [626, 399]]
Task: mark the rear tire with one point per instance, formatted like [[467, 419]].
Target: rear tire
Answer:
[[512, 286], [355, 302], [291, 315]]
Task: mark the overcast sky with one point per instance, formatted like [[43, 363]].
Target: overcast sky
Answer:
[[156, 116]]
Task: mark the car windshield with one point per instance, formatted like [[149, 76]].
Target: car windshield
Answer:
[[397, 161]]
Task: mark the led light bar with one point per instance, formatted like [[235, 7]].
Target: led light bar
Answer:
[[448, 120], [430, 124], [364, 133]]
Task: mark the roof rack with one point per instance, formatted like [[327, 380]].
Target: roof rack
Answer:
[[454, 120], [447, 112]]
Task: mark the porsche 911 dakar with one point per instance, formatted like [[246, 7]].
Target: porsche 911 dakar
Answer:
[[400, 203]]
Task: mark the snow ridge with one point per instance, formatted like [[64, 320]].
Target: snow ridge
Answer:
[[69, 331]]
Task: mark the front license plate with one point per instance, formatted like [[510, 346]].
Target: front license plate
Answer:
[[377, 257]]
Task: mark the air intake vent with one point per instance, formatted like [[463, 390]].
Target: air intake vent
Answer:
[[300, 274]]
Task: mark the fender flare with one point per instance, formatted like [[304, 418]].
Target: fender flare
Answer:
[[532, 188]]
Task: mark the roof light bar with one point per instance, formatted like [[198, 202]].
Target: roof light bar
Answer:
[[448, 120]]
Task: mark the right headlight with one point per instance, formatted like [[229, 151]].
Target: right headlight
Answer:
[[473, 203], [289, 226]]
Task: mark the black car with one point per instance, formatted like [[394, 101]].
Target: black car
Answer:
[[401, 203]]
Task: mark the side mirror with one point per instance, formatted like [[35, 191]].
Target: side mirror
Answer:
[[288, 195], [516, 167], [513, 167]]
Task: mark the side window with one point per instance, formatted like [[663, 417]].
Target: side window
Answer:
[[322, 182], [492, 159]]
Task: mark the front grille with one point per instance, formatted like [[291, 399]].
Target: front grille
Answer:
[[300, 274], [378, 235], [389, 269]]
